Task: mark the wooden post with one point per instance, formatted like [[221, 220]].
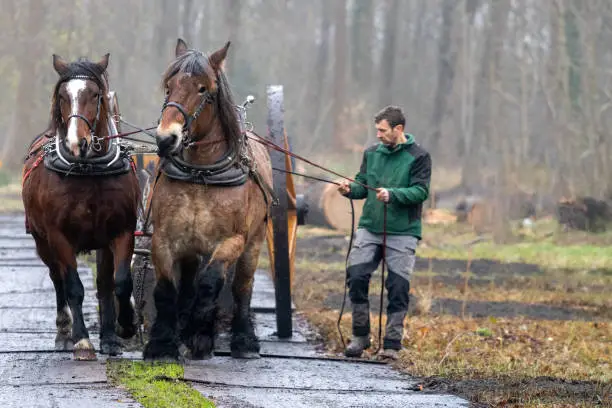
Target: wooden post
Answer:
[[282, 265]]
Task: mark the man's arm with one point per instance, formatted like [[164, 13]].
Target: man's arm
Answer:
[[358, 192], [420, 177]]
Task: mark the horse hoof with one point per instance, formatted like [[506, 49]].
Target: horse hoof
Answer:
[[110, 348], [160, 352], [245, 355], [64, 344], [197, 356], [165, 360], [202, 347], [84, 351]]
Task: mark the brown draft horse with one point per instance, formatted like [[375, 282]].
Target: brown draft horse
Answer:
[[209, 211], [80, 193]]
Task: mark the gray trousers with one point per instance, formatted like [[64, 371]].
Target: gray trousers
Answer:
[[364, 258]]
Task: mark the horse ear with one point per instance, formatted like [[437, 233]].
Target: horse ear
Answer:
[[103, 63], [59, 64], [181, 47], [217, 58]]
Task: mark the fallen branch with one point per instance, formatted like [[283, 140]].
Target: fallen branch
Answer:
[[447, 351]]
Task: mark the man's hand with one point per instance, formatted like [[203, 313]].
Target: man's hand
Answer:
[[382, 194], [344, 187]]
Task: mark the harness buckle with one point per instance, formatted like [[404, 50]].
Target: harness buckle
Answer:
[[96, 145]]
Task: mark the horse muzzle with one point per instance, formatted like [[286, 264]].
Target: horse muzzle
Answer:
[[166, 145], [168, 139], [80, 149]]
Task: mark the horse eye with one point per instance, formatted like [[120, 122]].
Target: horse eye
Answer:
[[202, 89]]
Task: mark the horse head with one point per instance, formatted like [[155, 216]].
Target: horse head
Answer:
[[197, 101], [80, 106]]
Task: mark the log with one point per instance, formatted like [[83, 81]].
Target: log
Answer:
[[328, 208], [585, 214]]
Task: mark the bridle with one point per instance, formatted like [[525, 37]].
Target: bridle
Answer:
[[96, 144], [206, 98]]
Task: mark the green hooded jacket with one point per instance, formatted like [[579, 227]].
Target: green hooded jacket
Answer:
[[405, 171]]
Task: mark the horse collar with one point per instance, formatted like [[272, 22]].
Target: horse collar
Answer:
[[226, 172], [117, 161]]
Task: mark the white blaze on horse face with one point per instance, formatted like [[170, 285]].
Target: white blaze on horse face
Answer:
[[74, 88]]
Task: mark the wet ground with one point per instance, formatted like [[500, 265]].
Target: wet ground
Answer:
[[291, 373], [32, 374]]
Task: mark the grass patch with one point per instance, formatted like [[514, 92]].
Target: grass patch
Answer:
[[548, 246], [547, 254], [155, 385], [499, 362]]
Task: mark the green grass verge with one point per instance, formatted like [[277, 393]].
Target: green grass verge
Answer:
[[547, 254], [155, 385]]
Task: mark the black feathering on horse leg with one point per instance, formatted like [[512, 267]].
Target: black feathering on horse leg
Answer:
[[209, 282], [163, 342], [186, 297], [123, 290], [109, 342], [244, 343]]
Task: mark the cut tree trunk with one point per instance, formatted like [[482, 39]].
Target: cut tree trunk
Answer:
[[328, 208]]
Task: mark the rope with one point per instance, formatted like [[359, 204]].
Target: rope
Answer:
[[382, 279], [346, 273]]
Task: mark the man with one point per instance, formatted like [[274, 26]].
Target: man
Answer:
[[400, 171]]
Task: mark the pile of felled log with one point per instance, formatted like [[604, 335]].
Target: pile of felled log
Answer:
[[585, 214]]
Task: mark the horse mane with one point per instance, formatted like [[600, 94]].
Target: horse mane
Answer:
[[81, 67], [196, 63]]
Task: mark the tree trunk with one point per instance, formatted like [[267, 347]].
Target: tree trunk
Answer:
[[446, 70], [361, 43], [328, 208], [340, 46], [385, 96], [233, 21], [319, 69], [22, 128]]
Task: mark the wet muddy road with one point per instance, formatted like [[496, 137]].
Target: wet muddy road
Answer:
[[290, 374], [32, 374]]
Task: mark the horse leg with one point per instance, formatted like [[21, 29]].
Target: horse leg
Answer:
[[123, 248], [245, 343], [109, 342], [189, 268], [63, 321], [163, 339], [209, 282], [75, 293]]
